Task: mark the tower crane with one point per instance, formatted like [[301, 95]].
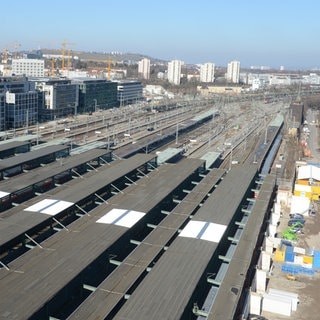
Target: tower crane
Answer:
[[63, 52], [16, 46], [6, 51], [52, 67], [5, 56], [109, 68]]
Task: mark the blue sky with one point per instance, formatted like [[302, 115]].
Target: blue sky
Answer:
[[255, 32]]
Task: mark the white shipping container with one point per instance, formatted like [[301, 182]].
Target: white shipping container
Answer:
[[307, 265], [275, 218], [265, 261], [281, 293], [275, 304], [277, 208], [299, 250], [255, 303], [298, 259], [272, 230], [261, 280]]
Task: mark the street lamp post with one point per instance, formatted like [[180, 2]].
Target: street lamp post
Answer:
[[231, 154], [95, 105], [177, 133]]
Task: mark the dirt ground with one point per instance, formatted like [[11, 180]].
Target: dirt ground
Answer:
[[307, 287]]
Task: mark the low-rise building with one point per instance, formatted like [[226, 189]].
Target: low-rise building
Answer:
[[207, 90]]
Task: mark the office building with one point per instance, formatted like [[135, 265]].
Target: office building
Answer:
[[18, 103], [144, 68], [233, 72], [57, 98], [207, 72], [2, 112], [28, 67], [174, 71], [21, 109], [129, 92], [96, 94]]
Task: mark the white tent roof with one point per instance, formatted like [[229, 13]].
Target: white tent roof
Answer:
[[300, 205], [309, 172], [302, 187]]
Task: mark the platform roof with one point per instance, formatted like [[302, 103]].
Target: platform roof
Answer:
[[89, 146], [7, 144], [277, 121], [54, 142], [204, 115], [232, 285], [44, 272], [110, 292], [26, 137], [168, 154], [40, 174], [29, 156], [175, 276], [92, 184], [211, 158], [31, 213]]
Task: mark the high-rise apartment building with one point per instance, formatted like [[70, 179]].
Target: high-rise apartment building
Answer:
[[28, 67], [174, 71], [144, 68], [233, 72], [207, 72]]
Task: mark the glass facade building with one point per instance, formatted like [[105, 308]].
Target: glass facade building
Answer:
[[57, 99], [2, 112], [129, 92], [96, 94], [21, 109], [18, 103]]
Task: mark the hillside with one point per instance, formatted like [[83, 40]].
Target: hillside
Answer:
[[103, 56]]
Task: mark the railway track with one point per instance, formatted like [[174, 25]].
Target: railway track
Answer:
[[115, 127]]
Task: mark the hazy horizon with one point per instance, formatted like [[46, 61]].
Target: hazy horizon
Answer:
[[262, 33]]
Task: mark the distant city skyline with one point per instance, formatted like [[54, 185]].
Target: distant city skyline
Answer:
[[260, 33]]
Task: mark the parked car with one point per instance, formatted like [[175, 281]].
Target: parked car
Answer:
[[312, 213], [296, 216], [296, 228], [299, 221]]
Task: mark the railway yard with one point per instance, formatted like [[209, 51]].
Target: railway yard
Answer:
[[146, 213]]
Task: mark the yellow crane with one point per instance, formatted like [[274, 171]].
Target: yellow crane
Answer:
[[109, 68], [64, 44], [109, 61], [52, 67]]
